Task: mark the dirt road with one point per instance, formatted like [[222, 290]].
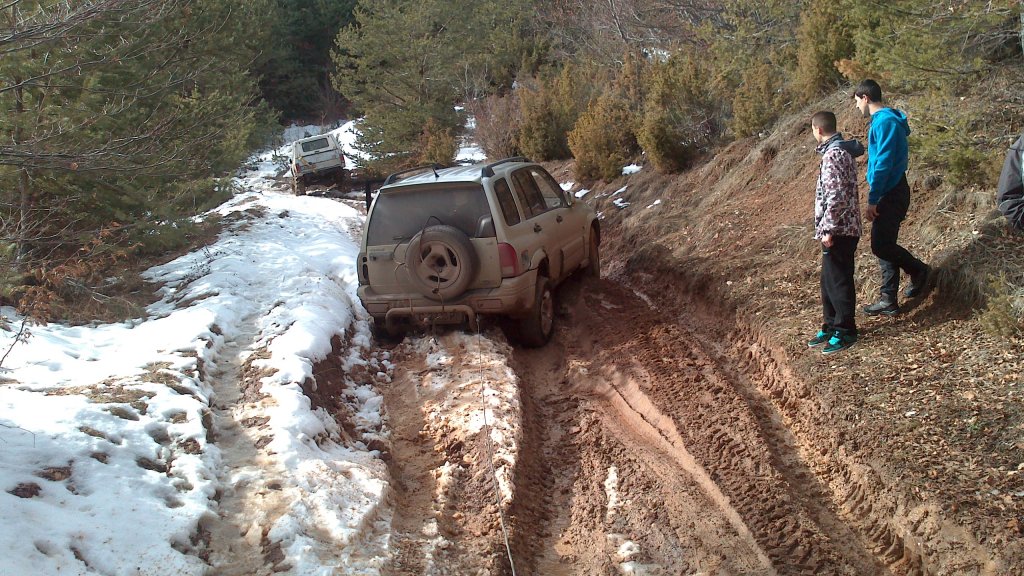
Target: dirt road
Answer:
[[651, 444]]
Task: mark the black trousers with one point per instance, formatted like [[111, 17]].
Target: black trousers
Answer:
[[838, 294], [885, 233]]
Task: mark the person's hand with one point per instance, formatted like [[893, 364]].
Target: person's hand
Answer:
[[871, 213], [826, 240]]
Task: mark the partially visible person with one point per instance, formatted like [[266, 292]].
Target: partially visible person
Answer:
[[888, 198], [837, 225], [1010, 192]]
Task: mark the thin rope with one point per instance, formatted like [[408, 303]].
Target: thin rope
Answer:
[[490, 456]]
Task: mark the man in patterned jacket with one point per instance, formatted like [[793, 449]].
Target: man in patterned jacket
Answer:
[[837, 226]]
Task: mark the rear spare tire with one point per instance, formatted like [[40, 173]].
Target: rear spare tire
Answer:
[[441, 262]]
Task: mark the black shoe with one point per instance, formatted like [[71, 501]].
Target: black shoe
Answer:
[[883, 306], [918, 282]]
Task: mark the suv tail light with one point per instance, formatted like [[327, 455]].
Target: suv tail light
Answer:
[[509, 260], [297, 168]]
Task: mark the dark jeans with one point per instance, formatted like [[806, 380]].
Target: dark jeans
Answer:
[[885, 232], [838, 295]]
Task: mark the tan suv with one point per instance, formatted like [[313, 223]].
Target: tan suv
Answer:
[[442, 246]]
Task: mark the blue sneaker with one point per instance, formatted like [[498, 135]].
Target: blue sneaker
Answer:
[[820, 338], [838, 342]]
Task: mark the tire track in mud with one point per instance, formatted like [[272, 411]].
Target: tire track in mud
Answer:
[[253, 499], [677, 414]]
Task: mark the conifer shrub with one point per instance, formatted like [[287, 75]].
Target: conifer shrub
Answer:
[[498, 125], [437, 144], [823, 39], [603, 140], [947, 135], [757, 101], [679, 114], [548, 109]]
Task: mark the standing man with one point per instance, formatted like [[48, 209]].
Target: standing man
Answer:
[[837, 225], [1010, 192], [888, 198]]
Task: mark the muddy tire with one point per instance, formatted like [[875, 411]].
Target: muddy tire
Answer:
[[299, 186], [594, 264], [536, 328], [441, 262]]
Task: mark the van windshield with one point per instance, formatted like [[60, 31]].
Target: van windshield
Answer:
[[399, 214], [314, 145]]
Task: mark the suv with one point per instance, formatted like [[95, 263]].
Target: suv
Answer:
[[316, 159], [445, 245]]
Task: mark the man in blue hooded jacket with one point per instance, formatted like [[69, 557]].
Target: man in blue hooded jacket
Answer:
[[888, 198]]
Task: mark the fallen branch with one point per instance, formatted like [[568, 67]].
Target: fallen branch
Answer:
[[17, 338]]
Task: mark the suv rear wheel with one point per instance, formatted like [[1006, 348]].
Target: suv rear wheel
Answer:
[[535, 330], [299, 186]]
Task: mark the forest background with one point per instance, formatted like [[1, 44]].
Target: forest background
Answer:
[[123, 119]]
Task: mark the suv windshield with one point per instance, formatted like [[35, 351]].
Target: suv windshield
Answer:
[[314, 145], [399, 214]]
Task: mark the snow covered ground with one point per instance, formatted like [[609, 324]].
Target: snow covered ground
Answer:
[[111, 455]]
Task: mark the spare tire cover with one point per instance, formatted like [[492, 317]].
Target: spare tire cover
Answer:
[[441, 262]]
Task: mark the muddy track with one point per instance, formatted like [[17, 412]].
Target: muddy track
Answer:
[[652, 448]]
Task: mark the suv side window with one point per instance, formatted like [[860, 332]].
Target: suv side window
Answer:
[[507, 202], [533, 200], [549, 189]]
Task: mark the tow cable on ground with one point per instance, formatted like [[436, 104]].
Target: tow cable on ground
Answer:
[[490, 453]]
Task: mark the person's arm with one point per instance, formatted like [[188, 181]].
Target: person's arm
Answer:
[[883, 161], [1010, 192]]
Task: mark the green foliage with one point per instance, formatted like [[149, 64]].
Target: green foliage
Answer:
[[549, 107], [919, 44], [757, 102], [602, 140], [101, 126], [823, 39], [679, 115], [403, 64], [295, 67], [948, 136], [437, 144]]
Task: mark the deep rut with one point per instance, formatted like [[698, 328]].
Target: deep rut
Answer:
[[706, 476]]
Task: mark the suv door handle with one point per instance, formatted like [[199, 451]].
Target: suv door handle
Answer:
[[558, 218], [537, 228]]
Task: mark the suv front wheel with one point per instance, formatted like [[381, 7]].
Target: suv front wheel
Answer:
[[535, 330]]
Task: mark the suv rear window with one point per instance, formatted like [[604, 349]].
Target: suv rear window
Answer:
[[313, 145], [399, 214]]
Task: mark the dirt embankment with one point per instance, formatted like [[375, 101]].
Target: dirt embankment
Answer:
[[908, 448]]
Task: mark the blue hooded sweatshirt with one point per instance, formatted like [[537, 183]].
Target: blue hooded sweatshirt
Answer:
[[887, 152]]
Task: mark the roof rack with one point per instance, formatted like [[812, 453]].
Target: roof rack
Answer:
[[394, 176], [488, 171]]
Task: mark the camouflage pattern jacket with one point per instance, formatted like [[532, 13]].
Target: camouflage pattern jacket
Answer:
[[836, 202]]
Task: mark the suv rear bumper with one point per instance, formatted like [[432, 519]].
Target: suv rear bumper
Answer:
[[515, 297], [322, 174]]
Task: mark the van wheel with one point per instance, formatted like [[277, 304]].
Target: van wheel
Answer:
[[535, 330], [594, 266], [441, 262], [299, 186]]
